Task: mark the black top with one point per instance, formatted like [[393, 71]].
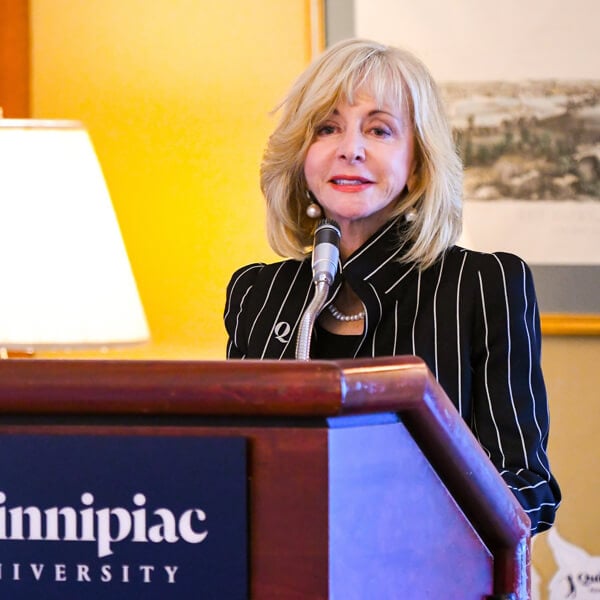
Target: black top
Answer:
[[330, 346]]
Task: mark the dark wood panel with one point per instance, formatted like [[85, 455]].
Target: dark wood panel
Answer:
[[221, 388]]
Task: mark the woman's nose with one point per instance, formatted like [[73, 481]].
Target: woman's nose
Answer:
[[352, 147]]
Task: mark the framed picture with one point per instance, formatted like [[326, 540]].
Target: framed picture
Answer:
[[521, 83]]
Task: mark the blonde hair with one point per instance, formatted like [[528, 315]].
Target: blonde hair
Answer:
[[394, 77]]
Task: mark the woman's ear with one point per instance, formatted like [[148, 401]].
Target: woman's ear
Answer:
[[412, 180]]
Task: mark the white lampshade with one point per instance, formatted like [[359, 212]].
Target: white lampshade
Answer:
[[65, 279]]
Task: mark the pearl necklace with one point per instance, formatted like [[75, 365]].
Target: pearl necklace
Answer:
[[340, 316]]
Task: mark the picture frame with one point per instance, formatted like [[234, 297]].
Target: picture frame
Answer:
[[532, 84]]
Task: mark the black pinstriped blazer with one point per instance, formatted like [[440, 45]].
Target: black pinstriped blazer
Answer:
[[472, 317]]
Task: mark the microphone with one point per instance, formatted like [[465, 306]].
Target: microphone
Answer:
[[326, 251], [325, 257]]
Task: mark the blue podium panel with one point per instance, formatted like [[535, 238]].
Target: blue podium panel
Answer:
[[123, 517], [394, 529]]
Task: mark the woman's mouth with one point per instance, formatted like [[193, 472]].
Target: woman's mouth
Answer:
[[350, 184], [349, 180]]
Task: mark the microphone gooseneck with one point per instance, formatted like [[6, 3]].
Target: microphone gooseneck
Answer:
[[325, 257]]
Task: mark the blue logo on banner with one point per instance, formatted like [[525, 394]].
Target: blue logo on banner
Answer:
[[122, 517]]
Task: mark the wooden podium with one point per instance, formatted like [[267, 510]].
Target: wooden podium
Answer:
[[364, 482]]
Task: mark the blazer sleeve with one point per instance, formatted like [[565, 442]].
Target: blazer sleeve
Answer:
[[510, 409], [238, 291]]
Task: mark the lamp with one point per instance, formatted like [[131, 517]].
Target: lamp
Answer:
[[65, 279]]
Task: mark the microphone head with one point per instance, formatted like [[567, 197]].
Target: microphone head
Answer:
[[328, 231], [326, 251]]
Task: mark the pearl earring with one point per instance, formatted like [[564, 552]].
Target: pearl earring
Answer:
[[313, 210], [411, 215]]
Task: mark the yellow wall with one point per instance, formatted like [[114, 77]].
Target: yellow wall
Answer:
[[176, 95]]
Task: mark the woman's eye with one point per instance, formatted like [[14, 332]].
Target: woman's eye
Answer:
[[325, 130], [381, 131]]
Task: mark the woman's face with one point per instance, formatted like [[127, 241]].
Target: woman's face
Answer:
[[359, 163]]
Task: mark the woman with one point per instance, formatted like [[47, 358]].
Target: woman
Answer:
[[363, 140]]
